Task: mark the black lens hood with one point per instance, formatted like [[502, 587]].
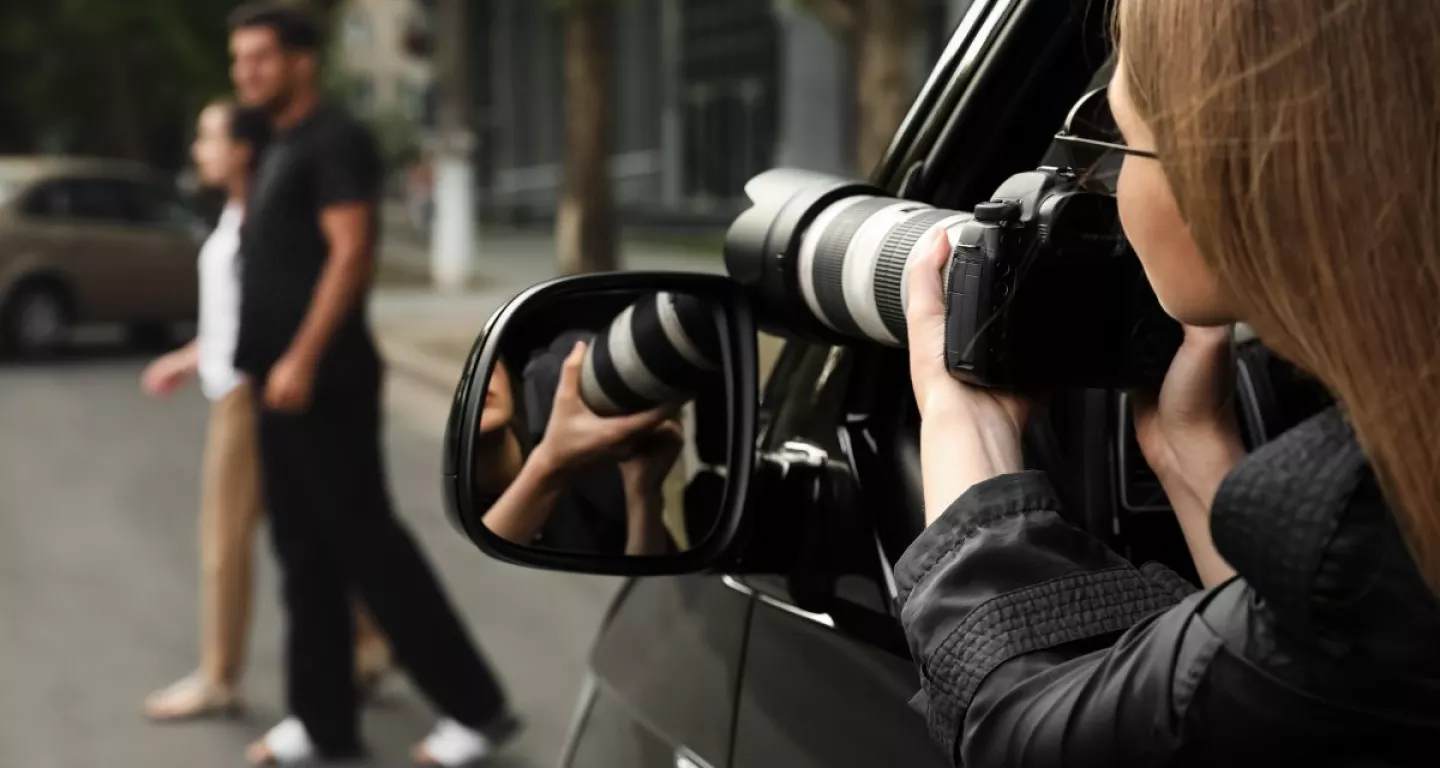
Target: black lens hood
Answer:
[[763, 244]]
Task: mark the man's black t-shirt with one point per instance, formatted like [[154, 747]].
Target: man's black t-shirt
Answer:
[[327, 159]]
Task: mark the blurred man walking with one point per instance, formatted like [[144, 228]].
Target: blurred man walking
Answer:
[[228, 143], [307, 248]]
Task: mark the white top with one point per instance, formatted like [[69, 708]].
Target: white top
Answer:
[[220, 305]]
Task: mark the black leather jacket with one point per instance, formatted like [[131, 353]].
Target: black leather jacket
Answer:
[[1039, 646]]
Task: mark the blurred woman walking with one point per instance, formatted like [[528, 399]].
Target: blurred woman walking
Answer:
[[227, 148]]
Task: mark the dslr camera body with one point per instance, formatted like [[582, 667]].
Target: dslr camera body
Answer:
[[1043, 290]]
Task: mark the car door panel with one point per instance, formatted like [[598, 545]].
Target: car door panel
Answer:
[[176, 279], [813, 697], [53, 238], [667, 669], [615, 736], [83, 221], [157, 258], [163, 268], [173, 236], [26, 250], [102, 289], [127, 253]]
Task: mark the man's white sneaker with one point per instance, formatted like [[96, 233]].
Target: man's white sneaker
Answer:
[[288, 743], [452, 745]]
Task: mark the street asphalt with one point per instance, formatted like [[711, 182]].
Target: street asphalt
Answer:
[[98, 581]]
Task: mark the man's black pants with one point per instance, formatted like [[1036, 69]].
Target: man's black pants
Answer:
[[336, 536]]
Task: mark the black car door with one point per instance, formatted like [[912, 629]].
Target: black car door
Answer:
[[815, 695], [664, 675], [825, 689]]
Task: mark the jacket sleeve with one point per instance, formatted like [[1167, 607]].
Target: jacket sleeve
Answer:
[[1039, 646]]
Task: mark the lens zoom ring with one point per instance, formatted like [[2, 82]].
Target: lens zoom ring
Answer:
[[829, 268], [659, 356], [699, 324], [607, 374], [890, 267]]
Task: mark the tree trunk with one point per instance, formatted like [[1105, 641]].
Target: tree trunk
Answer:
[[885, 74], [585, 231]]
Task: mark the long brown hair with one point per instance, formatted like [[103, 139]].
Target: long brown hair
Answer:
[[1302, 140]]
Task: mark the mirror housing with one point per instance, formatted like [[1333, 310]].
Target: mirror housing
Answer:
[[552, 302]]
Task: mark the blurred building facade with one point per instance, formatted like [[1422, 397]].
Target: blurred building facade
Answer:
[[381, 76], [707, 94]]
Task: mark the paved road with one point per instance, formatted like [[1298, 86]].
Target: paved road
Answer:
[[98, 491]]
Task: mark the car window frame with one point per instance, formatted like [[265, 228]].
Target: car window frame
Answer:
[[148, 204], [165, 210], [24, 204], [74, 215], [814, 388]]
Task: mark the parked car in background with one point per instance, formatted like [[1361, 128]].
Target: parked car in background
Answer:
[[92, 241]]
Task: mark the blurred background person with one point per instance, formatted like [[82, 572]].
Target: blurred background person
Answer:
[[308, 255], [227, 147]]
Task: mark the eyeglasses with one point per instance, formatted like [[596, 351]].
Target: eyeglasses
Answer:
[[1092, 145]]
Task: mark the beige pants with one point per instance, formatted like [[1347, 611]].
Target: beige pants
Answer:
[[230, 510]]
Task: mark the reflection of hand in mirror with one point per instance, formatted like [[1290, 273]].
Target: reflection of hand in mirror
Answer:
[[575, 436], [643, 475]]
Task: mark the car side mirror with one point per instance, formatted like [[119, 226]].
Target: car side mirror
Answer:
[[606, 424]]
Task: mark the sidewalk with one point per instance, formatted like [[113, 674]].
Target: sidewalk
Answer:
[[426, 335]]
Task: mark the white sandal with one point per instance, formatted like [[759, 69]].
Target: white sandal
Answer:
[[192, 697], [287, 743], [452, 745]]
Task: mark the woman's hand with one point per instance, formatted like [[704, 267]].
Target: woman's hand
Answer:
[[169, 372], [968, 434], [1191, 439], [576, 435], [654, 456], [643, 477], [1189, 434]]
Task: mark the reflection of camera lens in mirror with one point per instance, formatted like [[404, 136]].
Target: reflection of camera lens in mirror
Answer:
[[655, 352]]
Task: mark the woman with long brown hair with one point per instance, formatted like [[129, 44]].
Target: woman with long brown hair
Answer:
[[1281, 169]]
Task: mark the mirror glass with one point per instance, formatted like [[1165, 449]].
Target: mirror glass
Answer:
[[604, 425]]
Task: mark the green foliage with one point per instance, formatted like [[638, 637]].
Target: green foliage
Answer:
[[398, 134], [111, 77], [399, 138]]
